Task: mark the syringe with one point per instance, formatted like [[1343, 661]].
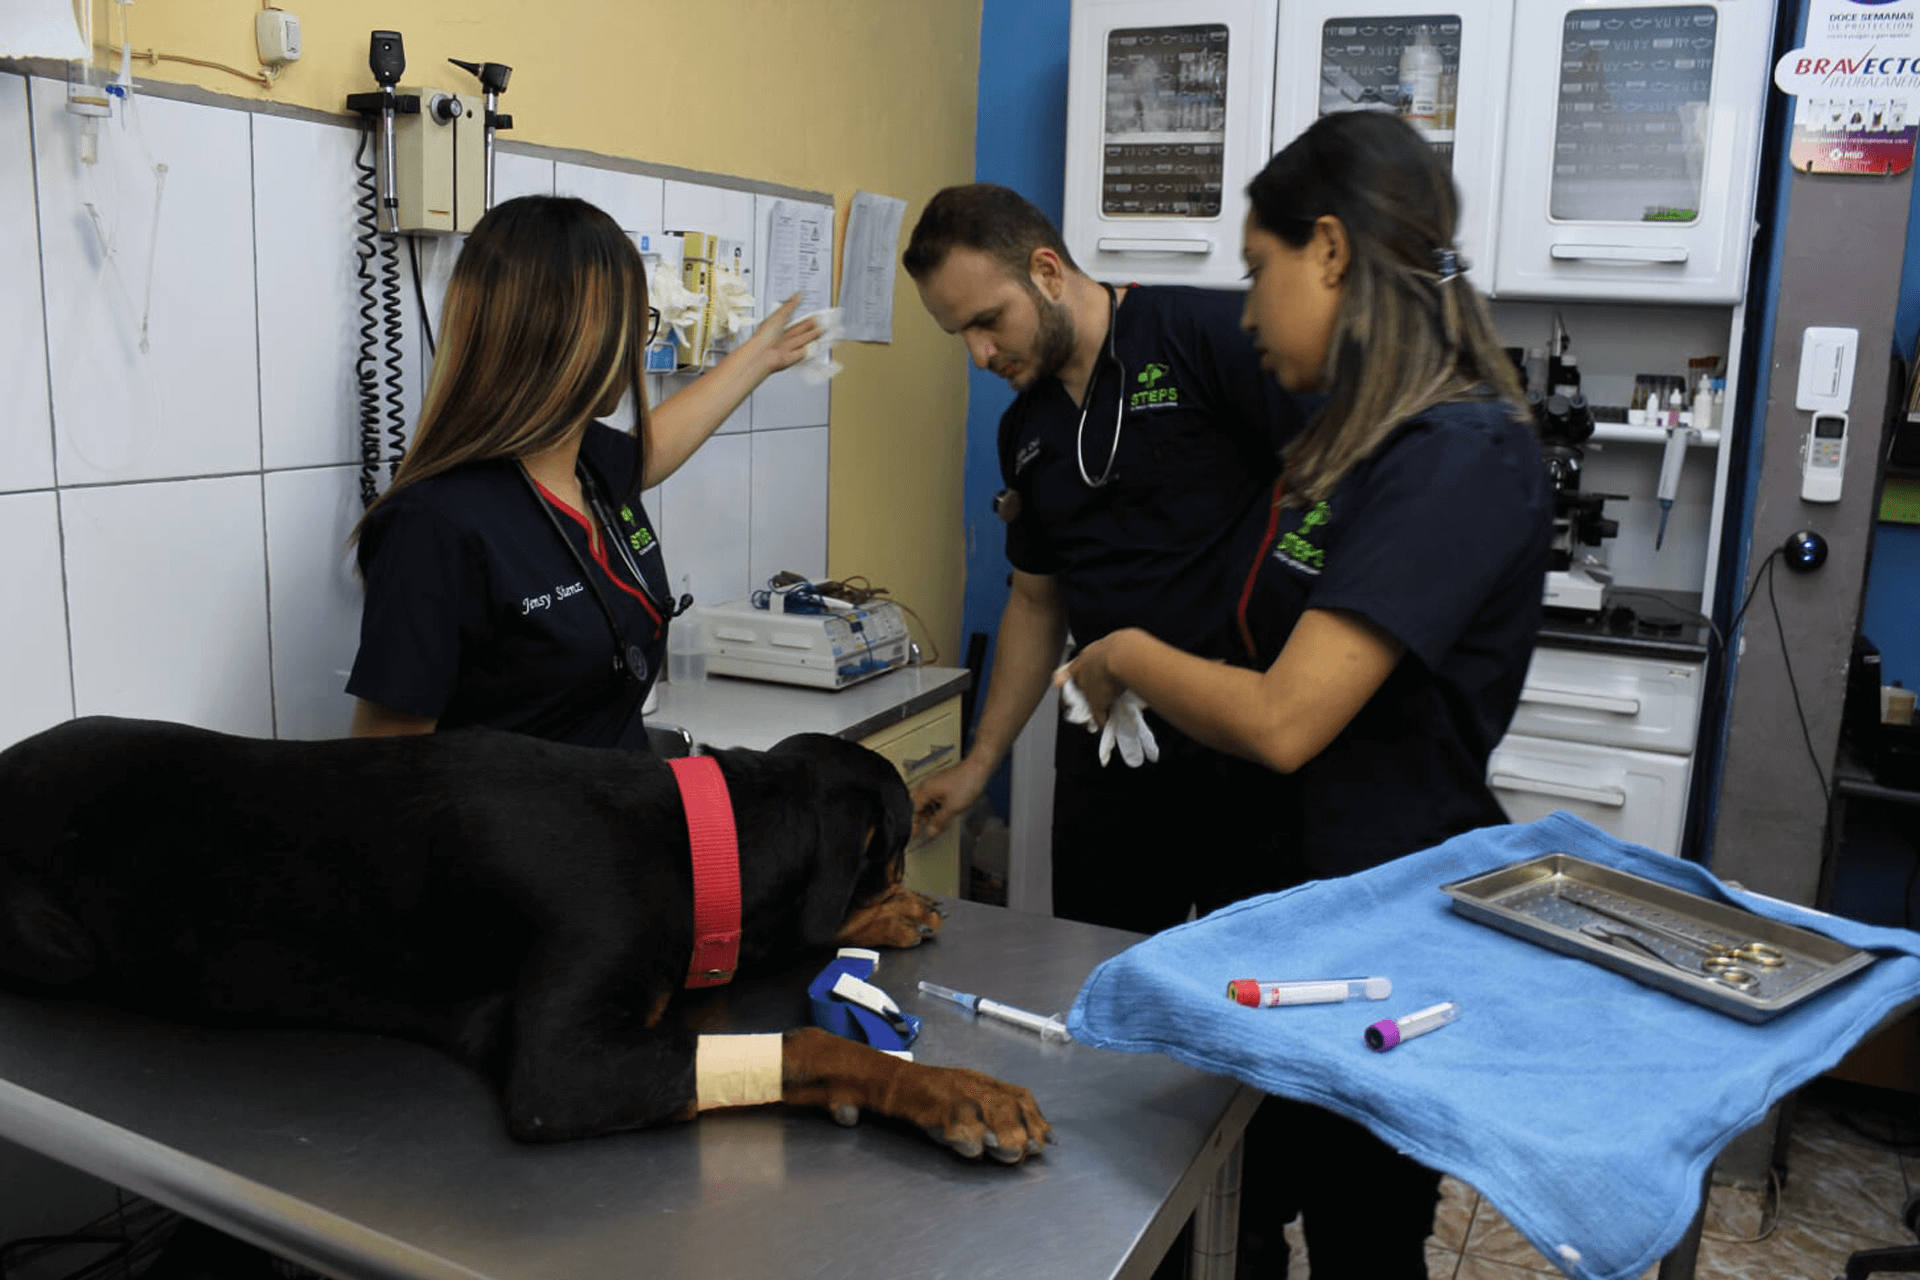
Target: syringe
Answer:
[[1049, 1028]]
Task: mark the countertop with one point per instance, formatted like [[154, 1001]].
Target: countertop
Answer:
[[724, 711], [1638, 622]]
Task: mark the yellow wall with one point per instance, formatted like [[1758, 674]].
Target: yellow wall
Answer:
[[826, 95]]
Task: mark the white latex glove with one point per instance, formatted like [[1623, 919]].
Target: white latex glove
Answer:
[[1126, 726]]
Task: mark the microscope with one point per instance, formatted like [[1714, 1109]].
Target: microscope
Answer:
[[1576, 579]]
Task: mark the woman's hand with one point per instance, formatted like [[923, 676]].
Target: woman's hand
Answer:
[[1092, 673], [778, 344]]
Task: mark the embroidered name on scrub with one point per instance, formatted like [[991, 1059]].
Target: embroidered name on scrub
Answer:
[[529, 603], [1296, 548]]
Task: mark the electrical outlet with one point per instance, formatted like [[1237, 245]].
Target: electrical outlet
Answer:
[[277, 33]]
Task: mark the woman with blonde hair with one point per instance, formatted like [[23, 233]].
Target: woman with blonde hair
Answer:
[[513, 578], [1391, 598]]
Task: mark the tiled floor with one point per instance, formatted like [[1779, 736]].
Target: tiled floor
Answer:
[[1853, 1162]]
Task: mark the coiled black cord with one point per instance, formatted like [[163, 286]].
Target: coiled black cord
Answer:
[[365, 367], [392, 331]]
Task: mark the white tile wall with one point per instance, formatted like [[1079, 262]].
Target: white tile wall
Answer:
[[176, 519], [33, 626], [306, 189], [149, 270], [787, 528], [313, 598], [167, 597], [26, 427], [705, 504]]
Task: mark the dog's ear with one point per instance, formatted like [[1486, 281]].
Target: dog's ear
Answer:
[[863, 819]]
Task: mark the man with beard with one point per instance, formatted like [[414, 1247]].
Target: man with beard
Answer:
[[1143, 427]]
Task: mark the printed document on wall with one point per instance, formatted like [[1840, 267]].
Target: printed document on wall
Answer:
[[800, 255], [867, 270]]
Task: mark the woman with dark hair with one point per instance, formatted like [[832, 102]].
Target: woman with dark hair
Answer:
[[513, 578], [1390, 605]]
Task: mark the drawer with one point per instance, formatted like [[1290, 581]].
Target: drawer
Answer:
[[919, 746], [922, 744], [1636, 795], [1643, 703]]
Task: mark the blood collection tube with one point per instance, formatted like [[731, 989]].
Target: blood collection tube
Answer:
[[1265, 995], [1388, 1032]]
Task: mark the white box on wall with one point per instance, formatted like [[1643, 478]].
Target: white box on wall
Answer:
[[189, 403]]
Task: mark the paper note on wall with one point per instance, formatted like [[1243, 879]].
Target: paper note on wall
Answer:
[[800, 256], [40, 29], [867, 270]]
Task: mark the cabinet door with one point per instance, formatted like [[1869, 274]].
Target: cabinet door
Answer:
[[1633, 132], [1350, 55], [1636, 795], [1168, 108], [919, 747]]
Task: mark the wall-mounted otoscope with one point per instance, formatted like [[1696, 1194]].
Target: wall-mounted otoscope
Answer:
[[493, 78], [387, 59]]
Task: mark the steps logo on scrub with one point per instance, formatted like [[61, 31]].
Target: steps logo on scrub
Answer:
[[1152, 395]]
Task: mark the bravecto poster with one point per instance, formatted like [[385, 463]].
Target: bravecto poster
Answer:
[[1856, 84]]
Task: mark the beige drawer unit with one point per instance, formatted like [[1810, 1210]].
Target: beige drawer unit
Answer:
[[919, 747], [1644, 703]]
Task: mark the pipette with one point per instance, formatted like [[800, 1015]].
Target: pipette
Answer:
[[1670, 464], [1049, 1028]]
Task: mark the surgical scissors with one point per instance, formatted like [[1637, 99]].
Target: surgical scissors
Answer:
[[1734, 965]]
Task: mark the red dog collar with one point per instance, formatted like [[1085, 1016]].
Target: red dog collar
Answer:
[[716, 870]]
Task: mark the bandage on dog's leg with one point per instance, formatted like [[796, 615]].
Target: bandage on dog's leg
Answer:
[[736, 1071]]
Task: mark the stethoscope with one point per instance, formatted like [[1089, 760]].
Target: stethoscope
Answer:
[[629, 660], [1086, 402], [1006, 503]]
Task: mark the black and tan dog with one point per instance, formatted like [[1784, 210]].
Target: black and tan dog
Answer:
[[526, 906]]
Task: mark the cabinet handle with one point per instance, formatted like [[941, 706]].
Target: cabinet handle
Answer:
[[1617, 253], [1579, 701], [1117, 244], [1611, 797], [927, 759]]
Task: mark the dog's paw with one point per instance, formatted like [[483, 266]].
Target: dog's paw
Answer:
[[976, 1115], [898, 918]]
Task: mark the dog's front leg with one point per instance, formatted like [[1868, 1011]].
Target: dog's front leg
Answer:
[[965, 1110], [897, 918]]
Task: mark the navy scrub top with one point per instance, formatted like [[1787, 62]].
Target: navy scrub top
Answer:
[[476, 613], [1440, 538], [1199, 434]]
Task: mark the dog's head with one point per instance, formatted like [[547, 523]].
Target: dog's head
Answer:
[[858, 796]]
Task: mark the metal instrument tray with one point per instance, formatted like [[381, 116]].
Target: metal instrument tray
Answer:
[[1541, 900]]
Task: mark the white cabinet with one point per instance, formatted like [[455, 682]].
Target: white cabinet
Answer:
[[1631, 149], [1168, 110], [1636, 795], [1607, 737], [1358, 50]]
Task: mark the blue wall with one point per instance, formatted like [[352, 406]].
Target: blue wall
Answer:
[[1020, 142]]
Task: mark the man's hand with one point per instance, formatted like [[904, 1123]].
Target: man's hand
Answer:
[[944, 795]]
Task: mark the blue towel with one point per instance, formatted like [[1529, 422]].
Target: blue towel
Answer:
[[1584, 1105]]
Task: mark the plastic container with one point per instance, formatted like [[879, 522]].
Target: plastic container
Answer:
[[1420, 67], [686, 644]]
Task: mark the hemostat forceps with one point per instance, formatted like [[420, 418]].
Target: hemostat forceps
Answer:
[[1735, 965]]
